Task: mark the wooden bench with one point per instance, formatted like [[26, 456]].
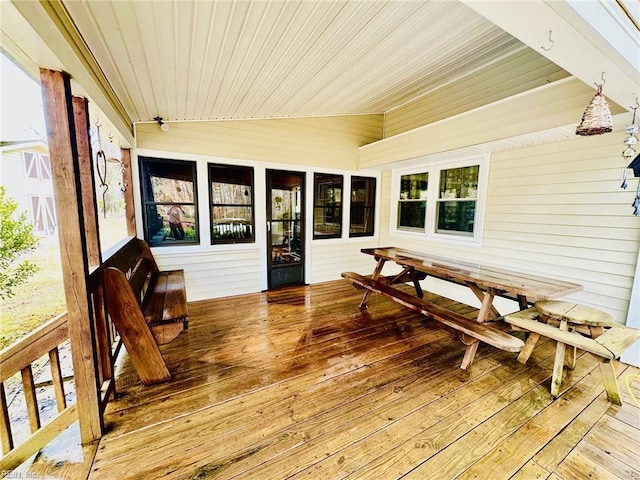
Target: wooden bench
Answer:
[[147, 306], [607, 345], [471, 331]]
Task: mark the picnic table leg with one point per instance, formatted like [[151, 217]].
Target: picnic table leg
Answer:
[[374, 276], [523, 303], [527, 350], [470, 352], [558, 363], [610, 382], [416, 283], [487, 307]]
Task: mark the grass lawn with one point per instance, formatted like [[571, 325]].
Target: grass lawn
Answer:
[[42, 296], [37, 300]]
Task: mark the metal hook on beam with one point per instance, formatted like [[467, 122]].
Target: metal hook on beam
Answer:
[[550, 41]]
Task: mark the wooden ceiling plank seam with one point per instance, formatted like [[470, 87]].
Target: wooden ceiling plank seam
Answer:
[[226, 84], [63, 23], [183, 20], [102, 50], [283, 40], [346, 57], [295, 62], [391, 92], [301, 28], [130, 62], [163, 36], [243, 68], [198, 107], [498, 79], [263, 56], [384, 48], [356, 82], [139, 63], [503, 57], [115, 48], [505, 77], [218, 61], [188, 72], [351, 35], [392, 68]]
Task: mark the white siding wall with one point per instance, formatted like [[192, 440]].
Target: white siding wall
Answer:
[[329, 258], [558, 210], [209, 275]]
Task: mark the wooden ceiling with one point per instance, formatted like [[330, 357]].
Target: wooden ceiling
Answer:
[[239, 59]]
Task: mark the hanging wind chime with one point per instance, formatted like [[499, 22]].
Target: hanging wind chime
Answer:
[[629, 151], [597, 118]]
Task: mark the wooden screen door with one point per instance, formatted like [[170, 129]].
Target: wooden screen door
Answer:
[[285, 228]]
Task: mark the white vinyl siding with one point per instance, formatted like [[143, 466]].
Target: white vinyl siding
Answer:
[[558, 210]]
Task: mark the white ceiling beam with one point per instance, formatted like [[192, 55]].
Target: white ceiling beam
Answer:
[[558, 104], [43, 35], [588, 38]]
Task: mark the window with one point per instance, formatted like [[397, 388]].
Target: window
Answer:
[[363, 201], [412, 204], [231, 199], [457, 200], [169, 201], [43, 212], [327, 206], [449, 207], [37, 165]]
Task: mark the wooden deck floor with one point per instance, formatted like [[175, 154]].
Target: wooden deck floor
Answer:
[[298, 383]]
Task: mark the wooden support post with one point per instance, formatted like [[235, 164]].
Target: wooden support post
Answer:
[[87, 180], [63, 150], [92, 229], [127, 183]]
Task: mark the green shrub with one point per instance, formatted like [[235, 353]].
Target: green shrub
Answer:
[[16, 240]]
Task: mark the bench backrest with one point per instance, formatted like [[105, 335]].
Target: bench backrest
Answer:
[[126, 273], [135, 261]]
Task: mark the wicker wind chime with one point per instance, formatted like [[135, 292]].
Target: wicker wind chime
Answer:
[[597, 118]]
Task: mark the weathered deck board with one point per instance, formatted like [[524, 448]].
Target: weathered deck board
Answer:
[[299, 383]]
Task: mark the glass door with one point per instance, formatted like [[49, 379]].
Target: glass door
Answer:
[[285, 228]]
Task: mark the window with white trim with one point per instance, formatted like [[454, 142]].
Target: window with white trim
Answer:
[[37, 165], [442, 200]]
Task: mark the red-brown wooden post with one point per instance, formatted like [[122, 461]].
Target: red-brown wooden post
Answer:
[[127, 182], [63, 151], [92, 230], [87, 180]]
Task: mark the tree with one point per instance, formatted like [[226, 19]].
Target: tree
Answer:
[[16, 240]]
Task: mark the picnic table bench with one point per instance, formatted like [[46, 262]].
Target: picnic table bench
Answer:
[[486, 282]]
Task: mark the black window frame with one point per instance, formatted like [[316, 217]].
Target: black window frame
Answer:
[[152, 227], [332, 210], [367, 205], [235, 233]]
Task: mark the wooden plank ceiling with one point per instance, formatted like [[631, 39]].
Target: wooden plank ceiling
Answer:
[[240, 59]]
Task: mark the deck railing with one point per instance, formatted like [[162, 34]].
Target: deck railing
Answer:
[[20, 357], [43, 344]]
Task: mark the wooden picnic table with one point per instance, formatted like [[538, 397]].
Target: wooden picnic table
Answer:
[[486, 282]]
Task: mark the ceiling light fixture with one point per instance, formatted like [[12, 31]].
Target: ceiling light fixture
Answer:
[[163, 126]]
